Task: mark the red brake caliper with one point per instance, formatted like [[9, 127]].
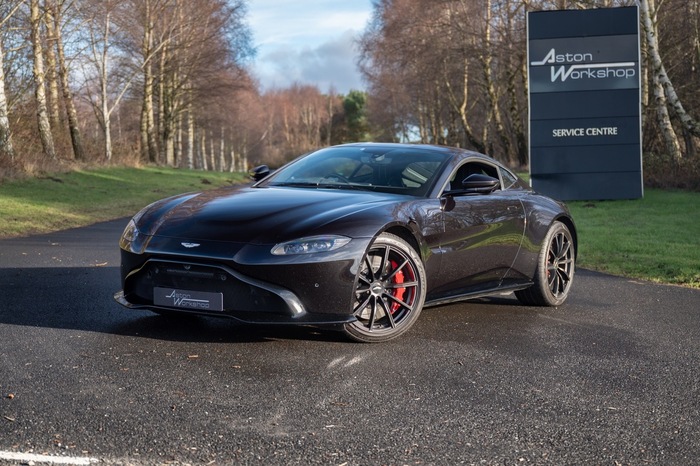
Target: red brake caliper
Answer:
[[398, 292]]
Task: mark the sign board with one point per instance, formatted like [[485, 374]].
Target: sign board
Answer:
[[585, 103]]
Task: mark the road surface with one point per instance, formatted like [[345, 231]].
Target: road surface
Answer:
[[609, 378]]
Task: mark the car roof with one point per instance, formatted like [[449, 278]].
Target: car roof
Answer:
[[456, 152]]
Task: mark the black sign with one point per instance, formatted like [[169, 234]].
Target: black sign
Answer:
[[585, 108]]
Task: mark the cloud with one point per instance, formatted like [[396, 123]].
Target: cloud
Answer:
[[309, 42], [329, 65]]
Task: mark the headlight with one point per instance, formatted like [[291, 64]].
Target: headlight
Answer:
[[130, 232], [132, 239], [310, 245]]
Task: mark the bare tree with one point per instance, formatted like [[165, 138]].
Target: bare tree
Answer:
[[149, 145], [51, 65], [649, 20], [56, 7], [6, 148], [108, 30], [39, 81]]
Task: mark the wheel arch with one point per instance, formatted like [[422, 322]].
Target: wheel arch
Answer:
[[568, 221], [407, 235]]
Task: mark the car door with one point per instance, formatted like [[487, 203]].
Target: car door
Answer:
[[482, 234]]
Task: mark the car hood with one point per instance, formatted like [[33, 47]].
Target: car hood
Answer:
[[263, 215]]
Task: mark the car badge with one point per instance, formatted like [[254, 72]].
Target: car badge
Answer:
[[190, 245]]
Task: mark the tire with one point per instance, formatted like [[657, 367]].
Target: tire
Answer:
[[555, 269], [389, 291]]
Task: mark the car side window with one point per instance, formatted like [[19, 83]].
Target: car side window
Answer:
[[508, 178]]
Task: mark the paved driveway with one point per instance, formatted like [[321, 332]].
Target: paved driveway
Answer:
[[610, 378]]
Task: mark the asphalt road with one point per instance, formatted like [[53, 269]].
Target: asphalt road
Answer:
[[610, 378]]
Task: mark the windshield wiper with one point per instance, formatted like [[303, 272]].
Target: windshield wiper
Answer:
[[306, 184], [295, 184], [354, 187]]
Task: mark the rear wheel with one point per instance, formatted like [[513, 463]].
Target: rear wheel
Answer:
[[555, 269], [389, 291]]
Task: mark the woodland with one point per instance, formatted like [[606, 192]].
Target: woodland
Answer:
[[169, 82]]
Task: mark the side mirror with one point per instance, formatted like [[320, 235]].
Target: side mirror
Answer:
[[259, 172], [480, 184]]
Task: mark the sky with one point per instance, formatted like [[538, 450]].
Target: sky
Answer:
[[308, 42]]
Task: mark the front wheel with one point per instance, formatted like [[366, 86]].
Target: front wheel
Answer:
[[555, 269], [389, 291]]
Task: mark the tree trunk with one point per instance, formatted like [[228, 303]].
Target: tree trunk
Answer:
[[695, 14], [6, 149], [161, 101], [149, 140], [71, 113], [104, 96], [190, 136], [51, 66], [178, 140], [517, 79], [107, 122], [330, 119], [494, 107], [212, 152], [664, 120], [222, 151], [39, 82], [648, 13], [170, 144], [203, 149], [168, 117], [145, 48], [460, 105]]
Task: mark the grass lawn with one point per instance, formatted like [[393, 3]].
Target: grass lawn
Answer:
[[67, 200], [656, 238]]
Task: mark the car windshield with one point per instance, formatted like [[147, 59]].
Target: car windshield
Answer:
[[403, 170]]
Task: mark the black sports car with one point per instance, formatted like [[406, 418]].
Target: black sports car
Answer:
[[361, 236]]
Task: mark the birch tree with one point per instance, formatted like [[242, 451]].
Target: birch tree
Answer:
[[100, 37], [51, 66], [648, 14], [149, 148], [664, 93], [57, 8], [39, 81], [106, 31], [157, 21], [6, 149]]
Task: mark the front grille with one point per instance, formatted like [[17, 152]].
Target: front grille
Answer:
[[192, 274], [238, 294]]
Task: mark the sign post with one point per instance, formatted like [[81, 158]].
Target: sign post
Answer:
[[585, 103]]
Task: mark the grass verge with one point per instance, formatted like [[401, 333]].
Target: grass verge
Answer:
[[656, 238], [67, 200]]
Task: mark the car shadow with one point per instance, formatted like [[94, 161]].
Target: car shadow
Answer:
[[81, 298]]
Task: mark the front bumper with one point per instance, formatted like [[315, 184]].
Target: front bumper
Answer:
[[314, 294]]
